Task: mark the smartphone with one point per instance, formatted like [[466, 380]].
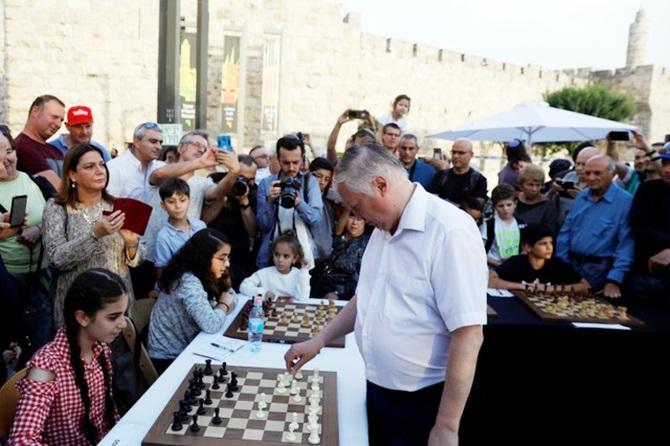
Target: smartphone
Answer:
[[437, 153], [619, 136], [567, 185], [18, 212], [223, 143], [358, 114]]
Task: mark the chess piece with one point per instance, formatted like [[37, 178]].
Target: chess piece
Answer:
[[208, 396], [281, 385], [298, 375], [215, 384], [315, 387], [233, 382], [223, 371], [315, 375], [208, 367], [194, 427], [294, 421], [305, 321], [294, 387], [313, 419], [201, 409], [313, 434], [291, 437], [229, 392], [296, 398], [217, 419], [261, 405], [183, 411], [176, 422]]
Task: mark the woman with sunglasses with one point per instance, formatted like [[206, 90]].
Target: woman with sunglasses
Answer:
[[81, 230]]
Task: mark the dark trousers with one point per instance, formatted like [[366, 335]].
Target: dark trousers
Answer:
[[143, 278], [397, 418]]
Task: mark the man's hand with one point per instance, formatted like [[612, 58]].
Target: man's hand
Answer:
[[640, 141], [442, 436], [208, 160], [274, 191], [6, 230], [229, 159], [659, 261], [612, 290], [300, 354], [344, 117], [438, 164]]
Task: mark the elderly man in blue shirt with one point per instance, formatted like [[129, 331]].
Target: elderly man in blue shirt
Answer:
[[596, 238], [418, 170]]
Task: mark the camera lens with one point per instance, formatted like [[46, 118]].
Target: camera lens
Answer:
[[240, 187], [290, 187]]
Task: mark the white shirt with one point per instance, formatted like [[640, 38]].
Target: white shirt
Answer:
[[294, 284], [416, 287], [388, 118], [198, 186], [127, 178]]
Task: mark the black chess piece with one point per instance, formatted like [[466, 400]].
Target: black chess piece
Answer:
[[176, 422], [217, 419], [229, 391], [221, 378], [208, 367], [183, 411], [196, 390], [194, 427], [215, 384], [201, 408], [208, 396], [224, 366], [233, 382]]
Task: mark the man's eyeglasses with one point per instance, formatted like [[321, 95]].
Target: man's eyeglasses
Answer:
[[202, 147]]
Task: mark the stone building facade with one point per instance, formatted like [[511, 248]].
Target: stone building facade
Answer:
[[292, 65]]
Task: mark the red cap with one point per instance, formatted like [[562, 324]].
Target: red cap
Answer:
[[79, 114]]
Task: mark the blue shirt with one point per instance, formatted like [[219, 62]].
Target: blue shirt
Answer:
[[421, 172], [170, 239], [599, 228], [266, 212], [59, 143]]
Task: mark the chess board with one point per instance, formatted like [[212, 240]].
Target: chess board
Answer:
[[557, 307], [285, 332], [240, 426]]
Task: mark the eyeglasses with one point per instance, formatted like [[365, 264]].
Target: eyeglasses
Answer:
[[458, 152], [199, 145]]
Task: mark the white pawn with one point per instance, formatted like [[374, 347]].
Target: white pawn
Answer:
[[314, 435], [315, 386], [294, 387], [294, 421], [313, 419], [260, 414], [296, 398], [298, 375], [281, 386], [315, 376], [291, 437]]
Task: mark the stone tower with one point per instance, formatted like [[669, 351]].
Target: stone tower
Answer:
[[637, 40]]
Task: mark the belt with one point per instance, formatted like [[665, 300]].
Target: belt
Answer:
[[584, 258]]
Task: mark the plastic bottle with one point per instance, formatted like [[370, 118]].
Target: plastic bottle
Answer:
[[256, 324]]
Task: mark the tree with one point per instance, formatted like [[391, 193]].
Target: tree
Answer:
[[595, 100]]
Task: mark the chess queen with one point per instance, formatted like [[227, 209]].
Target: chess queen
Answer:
[[66, 396]]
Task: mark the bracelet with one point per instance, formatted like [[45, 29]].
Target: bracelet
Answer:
[[226, 305]]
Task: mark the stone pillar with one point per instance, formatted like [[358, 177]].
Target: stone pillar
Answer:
[[637, 40]]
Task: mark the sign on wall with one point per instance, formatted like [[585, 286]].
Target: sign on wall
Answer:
[[230, 83], [270, 90]]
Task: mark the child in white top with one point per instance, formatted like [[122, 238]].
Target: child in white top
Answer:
[[282, 279]]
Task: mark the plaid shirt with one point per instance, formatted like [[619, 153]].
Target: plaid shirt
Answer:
[[51, 412]]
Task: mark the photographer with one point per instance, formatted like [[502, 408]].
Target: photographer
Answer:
[[289, 200], [237, 219], [364, 135]]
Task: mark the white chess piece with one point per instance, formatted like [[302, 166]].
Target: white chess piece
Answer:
[[313, 419], [294, 387], [298, 375], [281, 386], [290, 435], [315, 386], [294, 421], [296, 398], [315, 376], [260, 414], [314, 435]]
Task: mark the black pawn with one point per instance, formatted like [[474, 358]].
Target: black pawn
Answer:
[[221, 378], [176, 423], [233, 382], [225, 371], [201, 408], [208, 397], [194, 427], [208, 366], [215, 384], [217, 419], [229, 391], [183, 411]]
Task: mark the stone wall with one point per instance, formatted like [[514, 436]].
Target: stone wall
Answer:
[[101, 54], [104, 54]]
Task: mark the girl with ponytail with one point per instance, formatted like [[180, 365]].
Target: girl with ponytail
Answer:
[[66, 397]]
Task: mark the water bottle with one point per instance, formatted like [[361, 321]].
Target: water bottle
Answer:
[[256, 324]]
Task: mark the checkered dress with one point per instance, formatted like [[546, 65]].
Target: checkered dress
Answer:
[[51, 412]]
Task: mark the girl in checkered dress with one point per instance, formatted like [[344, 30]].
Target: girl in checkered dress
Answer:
[[66, 397]]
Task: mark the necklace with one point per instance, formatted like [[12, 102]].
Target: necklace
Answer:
[[91, 214]]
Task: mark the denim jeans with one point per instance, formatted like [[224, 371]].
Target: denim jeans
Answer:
[[595, 273]]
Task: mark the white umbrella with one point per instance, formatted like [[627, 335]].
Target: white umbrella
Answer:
[[535, 122]]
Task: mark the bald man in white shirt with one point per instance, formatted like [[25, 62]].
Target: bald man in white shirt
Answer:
[[420, 303]]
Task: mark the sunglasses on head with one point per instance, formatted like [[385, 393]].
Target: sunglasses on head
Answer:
[[4, 130], [149, 125]]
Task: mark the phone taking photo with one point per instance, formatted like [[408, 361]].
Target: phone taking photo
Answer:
[[223, 143], [358, 114], [437, 153], [18, 212], [619, 135]]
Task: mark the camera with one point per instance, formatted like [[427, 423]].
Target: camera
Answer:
[[290, 188], [240, 187]]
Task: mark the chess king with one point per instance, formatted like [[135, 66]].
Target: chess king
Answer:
[[424, 254]]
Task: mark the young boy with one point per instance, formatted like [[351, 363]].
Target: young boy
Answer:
[[537, 266], [175, 198], [502, 231]]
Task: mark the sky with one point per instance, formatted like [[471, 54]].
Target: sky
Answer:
[[553, 34]]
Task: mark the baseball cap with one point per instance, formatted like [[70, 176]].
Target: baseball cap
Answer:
[[79, 114]]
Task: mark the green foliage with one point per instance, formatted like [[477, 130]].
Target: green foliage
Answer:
[[594, 100]]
